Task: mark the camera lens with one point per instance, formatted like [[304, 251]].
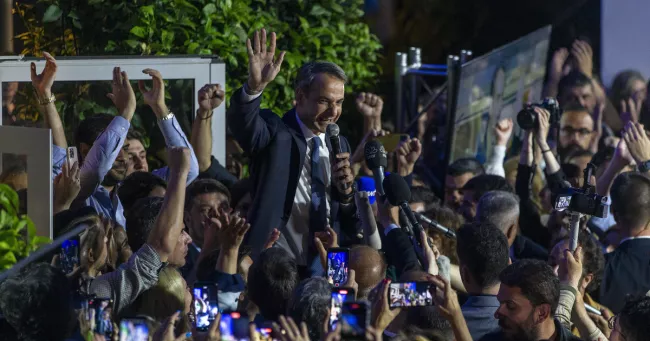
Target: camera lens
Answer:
[[527, 118]]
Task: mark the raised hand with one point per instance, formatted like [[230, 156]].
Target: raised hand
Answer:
[[210, 97], [178, 160], [262, 64], [630, 109], [637, 142], [325, 240], [66, 187], [622, 154], [543, 127], [290, 330], [369, 105], [342, 174], [570, 268], [557, 63], [122, 94], [270, 241], [582, 52], [381, 313], [503, 131], [408, 153], [166, 330], [154, 97], [232, 232], [43, 82], [445, 298], [213, 333]]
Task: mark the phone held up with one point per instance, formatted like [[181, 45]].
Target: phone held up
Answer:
[[410, 294], [337, 265], [338, 297], [355, 318], [134, 330], [206, 304], [100, 311]]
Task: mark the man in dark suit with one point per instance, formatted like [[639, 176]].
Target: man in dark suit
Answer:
[[299, 186]]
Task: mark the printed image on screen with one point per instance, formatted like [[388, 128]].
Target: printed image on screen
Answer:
[[69, 257], [336, 306], [337, 268], [206, 306], [134, 330], [234, 327], [496, 86], [409, 294]]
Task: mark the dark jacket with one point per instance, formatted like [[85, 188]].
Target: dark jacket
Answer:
[[563, 334], [278, 148], [627, 272], [479, 315]]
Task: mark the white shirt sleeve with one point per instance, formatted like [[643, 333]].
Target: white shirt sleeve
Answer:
[[245, 97], [494, 164]]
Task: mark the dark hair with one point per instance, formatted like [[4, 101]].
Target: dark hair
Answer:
[[204, 186], [141, 219], [484, 183], [310, 303], [465, 165], [425, 195], [483, 249], [633, 319], [574, 107], [535, 279], [446, 217], [621, 88], [271, 280], [239, 190], [135, 134], [593, 261], [136, 186], [91, 127], [573, 79], [630, 195], [428, 318], [308, 72], [37, 303]]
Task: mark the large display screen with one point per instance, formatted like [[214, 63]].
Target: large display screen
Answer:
[[496, 86]]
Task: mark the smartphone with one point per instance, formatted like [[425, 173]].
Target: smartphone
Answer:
[[391, 141], [337, 265], [265, 333], [69, 255], [206, 304], [410, 294], [101, 309], [234, 326], [355, 318], [134, 330], [72, 156], [339, 296]]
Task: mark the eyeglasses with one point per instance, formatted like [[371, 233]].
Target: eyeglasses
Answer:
[[570, 131]]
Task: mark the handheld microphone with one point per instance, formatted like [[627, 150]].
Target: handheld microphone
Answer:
[[447, 232], [398, 194], [335, 142], [376, 160]]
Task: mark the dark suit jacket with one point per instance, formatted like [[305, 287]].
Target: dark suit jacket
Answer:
[[278, 149], [627, 272]]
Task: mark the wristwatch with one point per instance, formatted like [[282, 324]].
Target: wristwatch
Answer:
[[644, 166]]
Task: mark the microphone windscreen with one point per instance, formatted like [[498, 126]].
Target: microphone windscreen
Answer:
[[375, 155], [367, 185], [397, 190], [333, 129]]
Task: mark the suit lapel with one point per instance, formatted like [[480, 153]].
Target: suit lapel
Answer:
[[294, 128]]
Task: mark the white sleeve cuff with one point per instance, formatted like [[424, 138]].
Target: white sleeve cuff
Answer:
[[245, 97]]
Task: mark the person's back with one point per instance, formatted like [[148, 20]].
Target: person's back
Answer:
[[37, 303], [627, 269]]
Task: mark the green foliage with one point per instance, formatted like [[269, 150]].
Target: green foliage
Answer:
[[330, 30], [17, 232]]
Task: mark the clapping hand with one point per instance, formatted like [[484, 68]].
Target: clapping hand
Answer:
[[273, 237], [631, 109], [557, 64], [43, 82], [582, 52], [408, 152], [263, 67], [154, 97], [210, 97], [637, 142], [122, 94], [232, 232]]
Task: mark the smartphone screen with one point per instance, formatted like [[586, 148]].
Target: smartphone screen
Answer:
[[206, 304], [355, 317], [234, 327], [409, 294], [101, 309], [337, 266], [134, 330], [339, 296], [69, 255], [72, 156], [265, 332]]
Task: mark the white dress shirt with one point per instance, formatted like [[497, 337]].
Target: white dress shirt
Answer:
[[296, 232]]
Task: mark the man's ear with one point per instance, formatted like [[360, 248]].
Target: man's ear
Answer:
[[542, 312], [511, 233], [586, 279]]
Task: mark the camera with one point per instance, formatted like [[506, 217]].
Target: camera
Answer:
[[527, 117], [583, 200]]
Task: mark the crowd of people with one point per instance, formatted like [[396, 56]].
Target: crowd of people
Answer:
[[509, 274]]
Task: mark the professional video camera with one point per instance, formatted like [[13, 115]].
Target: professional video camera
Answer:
[[527, 117]]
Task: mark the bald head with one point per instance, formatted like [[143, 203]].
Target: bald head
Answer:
[[369, 268]]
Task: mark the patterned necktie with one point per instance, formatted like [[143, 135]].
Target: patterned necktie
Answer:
[[318, 210]]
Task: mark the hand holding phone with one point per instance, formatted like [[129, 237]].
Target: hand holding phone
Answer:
[[410, 294], [234, 326], [355, 318], [134, 330], [339, 296], [337, 266], [100, 314], [206, 304]]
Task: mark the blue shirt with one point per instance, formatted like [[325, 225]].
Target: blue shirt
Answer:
[[479, 315], [101, 156]]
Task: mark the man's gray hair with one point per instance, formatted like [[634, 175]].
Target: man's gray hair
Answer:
[[308, 72], [499, 208], [310, 303]]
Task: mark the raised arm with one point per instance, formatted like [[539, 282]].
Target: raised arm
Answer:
[[42, 83], [171, 130], [210, 97], [244, 118], [502, 131]]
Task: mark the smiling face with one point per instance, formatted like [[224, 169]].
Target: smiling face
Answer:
[[321, 103]]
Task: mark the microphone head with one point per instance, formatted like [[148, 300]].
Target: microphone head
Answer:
[[367, 184], [333, 129], [397, 190], [375, 155]]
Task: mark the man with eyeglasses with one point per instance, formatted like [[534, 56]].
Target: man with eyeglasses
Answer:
[[631, 324], [576, 130]]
